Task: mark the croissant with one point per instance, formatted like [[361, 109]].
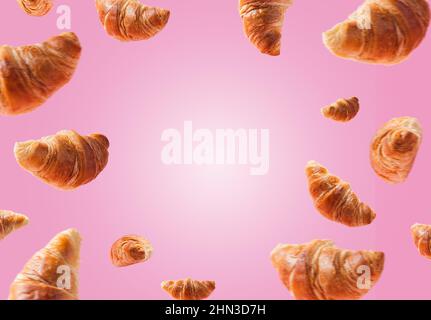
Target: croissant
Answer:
[[380, 31], [11, 221], [422, 238], [335, 199], [36, 7], [263, 22], [342, 110], [318, 270], [129, 250], [188, 289], [65, 160], [52, 273], [29, 75], [394, 149], [130, 20]]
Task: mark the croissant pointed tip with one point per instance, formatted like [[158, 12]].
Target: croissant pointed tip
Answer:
[[31, 155]]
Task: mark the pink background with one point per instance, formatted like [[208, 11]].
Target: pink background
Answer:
[[215, 222]]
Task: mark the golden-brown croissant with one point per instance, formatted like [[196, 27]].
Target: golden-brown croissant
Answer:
[[394, 149], [36, 7], [422, 238], [11, 221], [263, 22], [335, 199], [129, 250], [318, 270], [29, 75], [342, 110], [52, 273], [188, 289], [65, 160], [380, 31], [130, 20]]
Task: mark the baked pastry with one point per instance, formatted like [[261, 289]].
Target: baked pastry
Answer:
[[342, 110], [188, 289], [394, 149], [42, 276], [129, 250], [65, 160], [130, 20], [334, 198], [422, 238], [36, 7], [318, 270], [380, 31], [11, 221], [263, 22], [29, 75]]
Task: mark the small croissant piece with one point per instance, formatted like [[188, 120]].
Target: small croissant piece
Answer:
[[11, 221], [394, 149], [263, 22], [188, 289], [65, 160], [422, 238], [36, 7], [335, 199], [380, 31], [29, 75], [129, 250], [318, 270], [130, 20], [342, 110], [52, 273]]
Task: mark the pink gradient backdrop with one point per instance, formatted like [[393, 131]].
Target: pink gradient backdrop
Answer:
[[215, 222]]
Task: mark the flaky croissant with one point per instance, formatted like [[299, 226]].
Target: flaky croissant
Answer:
[[342, 110], [318, 270], [129, 250], [11, 221], [130, 20], [394, 149], [335, 199], [380, 31], [263, 22], [36, 7], [29, 75], [188, 289], [52, 273], [65, 160], [422, 238]]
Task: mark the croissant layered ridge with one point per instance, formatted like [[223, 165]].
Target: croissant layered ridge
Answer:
[[52, 272], [36, 7], [263, 22], [29, 75], [11, 221], [380, 31], [421, 234], [318, 270], [130, 249], [343, 110], [66, 160], [188, 289], [130, 20]]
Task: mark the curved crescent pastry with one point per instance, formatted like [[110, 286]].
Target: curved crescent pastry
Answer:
[[422, 238], [130, 20], [11, 221], [129, 250], [380, 31], [29, 75], [335, 199], [318, 270], [41, 278], [342, 110], [394, 149], [36, 7], [65, 160], [188, 289], [263, 21]]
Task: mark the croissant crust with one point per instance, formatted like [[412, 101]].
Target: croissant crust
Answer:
[[422, 238], [35, 7], [11, 221], [188, 289], [129, 250], [342, 110], [318, 270]]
